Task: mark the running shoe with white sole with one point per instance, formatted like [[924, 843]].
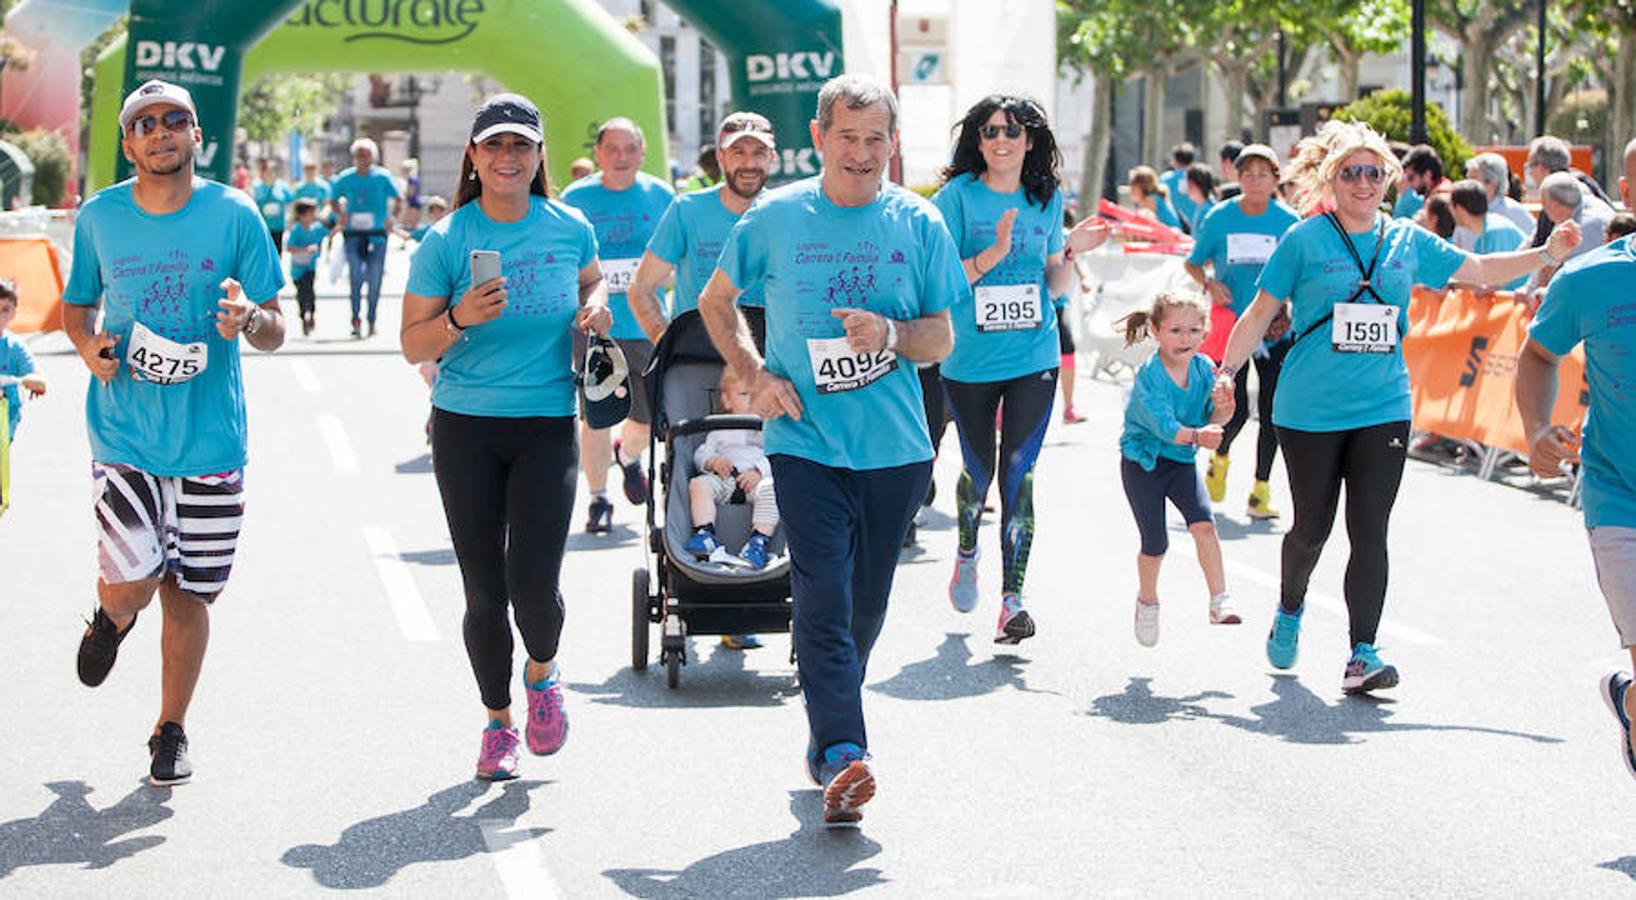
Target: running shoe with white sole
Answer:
[[497, 761], [963, 585], [168, 751], [599, 516], [1614, 686], [1015, 625], [1283, 641], [1365, 672], [635, 480], [1147, 623], [848, 785], [547, 727], [1222, 610]]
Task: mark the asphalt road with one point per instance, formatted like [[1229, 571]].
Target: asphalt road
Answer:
[[337, 722]]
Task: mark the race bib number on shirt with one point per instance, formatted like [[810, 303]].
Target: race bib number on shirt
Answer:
[[1012, 307], [1250, 249], [619, 273], [272, 208], [836, 367], [361, 221], [1364, 328], [160, 360], [303, 255]]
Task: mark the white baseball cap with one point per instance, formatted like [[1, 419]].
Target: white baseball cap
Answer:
[[153, 93]]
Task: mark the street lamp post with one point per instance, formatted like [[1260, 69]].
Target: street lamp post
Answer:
[[1539, 73], [1417, 74]]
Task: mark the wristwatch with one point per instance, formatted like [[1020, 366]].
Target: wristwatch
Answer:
[[891, 333], [252, 322], [1546, 257]]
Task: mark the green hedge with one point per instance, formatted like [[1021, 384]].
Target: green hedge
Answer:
[[49, 153], [1389, 113]]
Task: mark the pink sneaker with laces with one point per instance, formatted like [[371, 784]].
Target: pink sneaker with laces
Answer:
[[498, 761], [547, 721]]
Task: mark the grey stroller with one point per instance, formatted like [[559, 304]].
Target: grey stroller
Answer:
[[682, 594]]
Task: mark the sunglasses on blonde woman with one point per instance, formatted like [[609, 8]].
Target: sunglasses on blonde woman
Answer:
[[1371, 174]]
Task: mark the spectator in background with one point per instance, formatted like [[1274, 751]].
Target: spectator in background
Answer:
[[580, 168], [1563, 198], [1437, 216], [1491, 171], [1620, 225], [1181, 156], [1491, 232], [706, 175], [1422, 177], [273, 198], [1199, 191], [1548, 155], [1150, 198], [409, 175], [1227, 158]]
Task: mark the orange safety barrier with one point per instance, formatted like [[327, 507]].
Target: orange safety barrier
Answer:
[[1462, 352], [31, 263]]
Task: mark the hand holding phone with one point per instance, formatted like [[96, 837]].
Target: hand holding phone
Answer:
[[486, 298]]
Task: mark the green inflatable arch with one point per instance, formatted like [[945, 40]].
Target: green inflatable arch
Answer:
[[569, 56]]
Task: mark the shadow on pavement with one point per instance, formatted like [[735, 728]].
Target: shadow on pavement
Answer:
[[622, 535], [1235, 530], [1297, 715], [1625, 865], [420, 465], [811, 862], [71, 830], [443, 557], [949, 675], [370, 853], [717, 680]]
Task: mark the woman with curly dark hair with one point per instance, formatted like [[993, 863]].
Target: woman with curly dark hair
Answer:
[[1001, 203]]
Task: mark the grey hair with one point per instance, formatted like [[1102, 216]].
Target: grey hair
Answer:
[[1563, 188], [1492, 171], [620, 123], [1551, 152], [364, 143], [859, 92]]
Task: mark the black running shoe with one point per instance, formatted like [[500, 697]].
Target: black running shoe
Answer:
[[100, 647], [169, 751], [635, 480], [600, 518]]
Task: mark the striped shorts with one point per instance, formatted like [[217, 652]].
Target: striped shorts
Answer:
[[150, 525]]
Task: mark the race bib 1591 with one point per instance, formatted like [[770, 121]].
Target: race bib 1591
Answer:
[[1364, 328]]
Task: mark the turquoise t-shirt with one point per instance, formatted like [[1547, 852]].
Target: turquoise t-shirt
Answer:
[[1238, 244], [1500, 235], [316, 190], [369, 200], [893, 257], [1158, 407], [624, 221], [1592, 300], [274, 201], [165, 272], [1324, 390], [15, 360], [519, 364], [689, 236], [301, 236], [1001, 352], [1166, 212], [1407, 204], [1175, 181]]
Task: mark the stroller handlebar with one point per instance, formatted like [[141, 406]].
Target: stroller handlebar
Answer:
[[704, 424]]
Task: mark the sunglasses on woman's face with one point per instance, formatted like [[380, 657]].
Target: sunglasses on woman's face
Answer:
[[1371, 174], [174, 120], [1010, 130]]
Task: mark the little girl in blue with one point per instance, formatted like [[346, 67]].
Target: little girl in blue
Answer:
[[1174, 409]]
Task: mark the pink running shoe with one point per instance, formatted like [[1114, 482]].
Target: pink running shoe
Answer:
[[547, 721], [498, 761]]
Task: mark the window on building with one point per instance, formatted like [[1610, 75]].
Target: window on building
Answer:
[[707, 90], [648, 13], [667, 62]]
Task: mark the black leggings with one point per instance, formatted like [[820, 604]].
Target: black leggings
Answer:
[[305, 297], [1266, 373], [508, 491], [1027, 404], [937, 409], [1369, 461]]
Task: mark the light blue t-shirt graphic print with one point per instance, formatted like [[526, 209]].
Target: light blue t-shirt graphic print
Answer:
[[1238, 244], [893, 257], [1006, 326], [164, 273], [1320, 388], [624, 221], [1593, 299], [690, 237], [520, 363]]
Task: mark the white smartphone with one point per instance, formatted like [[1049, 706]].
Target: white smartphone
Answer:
[[485, 266]]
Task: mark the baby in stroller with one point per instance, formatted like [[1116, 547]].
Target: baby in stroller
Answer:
[[732, 467]]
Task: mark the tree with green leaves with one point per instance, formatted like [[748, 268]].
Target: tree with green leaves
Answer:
[[1480, 27], [1609, 29], [274, 106], [1353, 29], [1237, 37]]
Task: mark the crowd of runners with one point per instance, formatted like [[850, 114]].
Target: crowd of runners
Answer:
[[856, 318]]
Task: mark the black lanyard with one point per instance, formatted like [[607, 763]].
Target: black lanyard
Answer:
[[1366, 283]]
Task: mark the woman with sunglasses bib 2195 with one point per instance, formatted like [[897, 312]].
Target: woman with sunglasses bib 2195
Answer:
[[1001, 203], [1342, 408]]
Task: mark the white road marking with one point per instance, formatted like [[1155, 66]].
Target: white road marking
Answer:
[[1316, 600], [340, 446], [414, 619], [518, 859], [305, 377]]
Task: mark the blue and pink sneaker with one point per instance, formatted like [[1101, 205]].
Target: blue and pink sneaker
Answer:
[[547, 720], [498, 761]]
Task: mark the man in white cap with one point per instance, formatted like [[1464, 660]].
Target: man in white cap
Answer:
[[180, 267]]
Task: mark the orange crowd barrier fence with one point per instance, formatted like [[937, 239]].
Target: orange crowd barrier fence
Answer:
[[31, 263], [1462, 350]]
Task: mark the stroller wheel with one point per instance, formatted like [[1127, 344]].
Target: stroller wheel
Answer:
[[673, 668], [639, 619]]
